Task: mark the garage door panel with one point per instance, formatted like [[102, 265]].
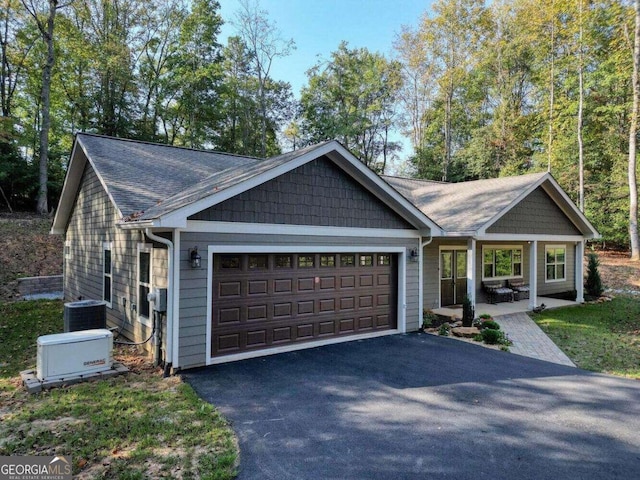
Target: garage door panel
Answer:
[[257, 312], [305, 331], [257, 287], [282, 310], [365, 323], [229, 289], [283, 285], [327, 283], [347, 325], [305, 307], [306, 284], [348, 281], [326, 328], [229, 315], [256, 338], [309, 296]]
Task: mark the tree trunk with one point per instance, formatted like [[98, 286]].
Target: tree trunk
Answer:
[[633, 129], [551, 86], [47, 35], [580, 110]]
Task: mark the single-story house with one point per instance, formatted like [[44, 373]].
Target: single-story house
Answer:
[[260, 256]]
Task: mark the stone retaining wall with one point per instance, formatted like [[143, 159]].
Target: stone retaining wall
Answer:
[[36, 285]]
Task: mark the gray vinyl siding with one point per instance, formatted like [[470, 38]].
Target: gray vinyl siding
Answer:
[[317, 193], [193, 282], [546, 288], [535, 214], [91, 223]]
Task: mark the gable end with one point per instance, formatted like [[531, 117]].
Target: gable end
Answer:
[[536, 214], [317, 193]]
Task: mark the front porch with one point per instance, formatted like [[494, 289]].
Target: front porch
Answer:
[[504, 308]]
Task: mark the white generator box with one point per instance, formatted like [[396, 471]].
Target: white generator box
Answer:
[[64, 355]]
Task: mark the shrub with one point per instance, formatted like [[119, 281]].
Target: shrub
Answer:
[[593, 285], [491, 336], [445, 328], [467, 312], [489, 324], [428, 318], [485, 316]]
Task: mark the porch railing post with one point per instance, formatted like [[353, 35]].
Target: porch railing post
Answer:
[[533, 274], [471, 271], [579, 272]]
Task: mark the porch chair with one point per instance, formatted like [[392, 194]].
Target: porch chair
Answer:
[[497, 292], [520, 289]]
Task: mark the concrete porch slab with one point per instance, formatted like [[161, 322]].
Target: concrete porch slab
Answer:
[[504, 308]]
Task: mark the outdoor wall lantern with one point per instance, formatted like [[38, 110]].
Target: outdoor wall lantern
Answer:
[[413, 255], [196, 259]]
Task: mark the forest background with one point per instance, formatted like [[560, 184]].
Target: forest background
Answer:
[[480, 89]]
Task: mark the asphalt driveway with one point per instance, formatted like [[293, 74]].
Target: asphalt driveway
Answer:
[[424, 407]]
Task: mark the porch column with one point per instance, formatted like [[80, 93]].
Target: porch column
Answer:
[[471, 271], [533, 274], [579, 272]]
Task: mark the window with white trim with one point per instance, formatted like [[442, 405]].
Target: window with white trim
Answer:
[[501, 262], [555, 262], [144, 282], [107, 271]]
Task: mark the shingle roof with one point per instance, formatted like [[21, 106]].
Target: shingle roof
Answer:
[[465, 206], [139, 175]]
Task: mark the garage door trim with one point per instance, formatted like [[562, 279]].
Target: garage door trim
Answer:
[[223, 249]]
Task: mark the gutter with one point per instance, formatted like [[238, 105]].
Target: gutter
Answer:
[[170, 267]]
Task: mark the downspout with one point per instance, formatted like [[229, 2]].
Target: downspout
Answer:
[[168, 336]]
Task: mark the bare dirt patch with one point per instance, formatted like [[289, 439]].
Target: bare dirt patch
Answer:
[[618, 272], [26, 250]]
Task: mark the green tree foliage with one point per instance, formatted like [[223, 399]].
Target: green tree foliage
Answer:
[[352, 98], [514, 94]]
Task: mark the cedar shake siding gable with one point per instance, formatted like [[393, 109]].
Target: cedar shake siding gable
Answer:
[[316, 193], [536, 214]]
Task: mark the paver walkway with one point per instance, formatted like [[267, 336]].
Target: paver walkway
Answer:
[[529, 340]]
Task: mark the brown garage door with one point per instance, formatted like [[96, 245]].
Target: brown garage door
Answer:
[[267, 300]]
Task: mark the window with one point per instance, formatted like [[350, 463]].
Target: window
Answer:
[[347, 260], [384, 259], [283, 261], [501, 262], [555, 261], [327, 260], [144, 283], [107, 268], [366, 260], [229, 262], [305, 261], [258, 262]]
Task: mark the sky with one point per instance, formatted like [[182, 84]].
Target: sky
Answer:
[[318, 26]]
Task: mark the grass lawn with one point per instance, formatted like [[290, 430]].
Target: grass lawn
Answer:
[[138, 425], [602, 337]]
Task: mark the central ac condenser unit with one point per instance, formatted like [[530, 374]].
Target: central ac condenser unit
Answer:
[[85, 315], [65, 355]]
